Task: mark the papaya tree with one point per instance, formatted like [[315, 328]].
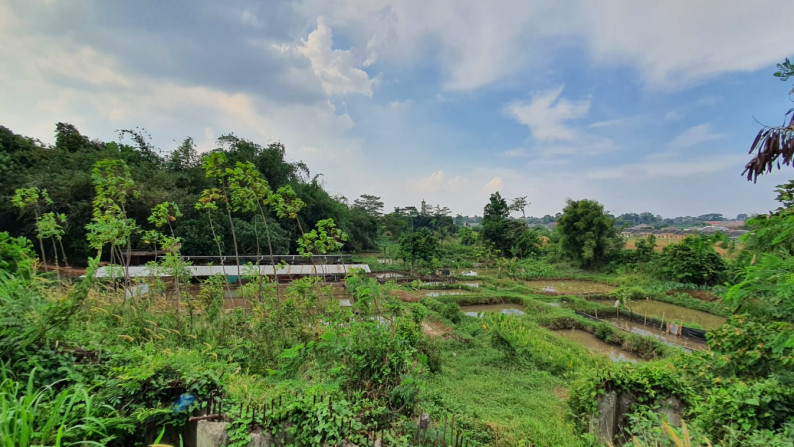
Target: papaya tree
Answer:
[[214, 165], [163, 214], [114, 186], [50, 226], [323, 239], [33, 198]]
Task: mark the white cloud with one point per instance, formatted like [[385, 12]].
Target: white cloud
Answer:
[[676, 43], [249, 18], [336, 69], [694, 136], [671, 44], [584, 145], [475, 43], [606, 123], [667, 169], [516, 153], [495, 184], [547, 115], [435, 182]]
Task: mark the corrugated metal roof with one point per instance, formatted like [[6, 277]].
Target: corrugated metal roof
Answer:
[[227, 270]]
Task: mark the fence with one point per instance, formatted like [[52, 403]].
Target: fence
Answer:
[[698, 335]]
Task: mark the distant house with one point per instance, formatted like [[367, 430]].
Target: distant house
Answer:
[[731, 224]]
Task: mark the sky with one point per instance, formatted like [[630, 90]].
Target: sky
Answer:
[[642, 106]]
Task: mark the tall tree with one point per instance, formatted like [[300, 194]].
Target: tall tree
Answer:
[[214, 165], [587, 233], [369, 203], [111, 225], [495, 223], [33, 198], [421, 245], [519, 204]]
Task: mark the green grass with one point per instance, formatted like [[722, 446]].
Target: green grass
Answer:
[[499, 403]]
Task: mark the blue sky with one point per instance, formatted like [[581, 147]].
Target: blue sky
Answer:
[[641, 106]]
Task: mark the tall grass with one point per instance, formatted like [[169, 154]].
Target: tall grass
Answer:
[[43, 416]]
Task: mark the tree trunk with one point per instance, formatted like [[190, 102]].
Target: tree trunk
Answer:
[[234, 240], [220, 251], [63, 252], [270, 250], [55, 253]]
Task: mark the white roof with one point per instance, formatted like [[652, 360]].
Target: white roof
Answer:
[[226, 270]]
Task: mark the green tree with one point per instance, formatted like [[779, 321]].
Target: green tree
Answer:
[[693, 260], [110, 225], [323, 239], [33, 198], [370, 204], [527, 243], [587, 234], [208, 203], [249, 193], [418, 246], [495, 223], [214, 165], [467, 236], [519, 204], [645, 249], [50, 226], [14, 252], [394, 224]]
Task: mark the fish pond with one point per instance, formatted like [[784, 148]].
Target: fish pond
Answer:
[[672, 312], [594, 344], [474, 310], [569, 286]]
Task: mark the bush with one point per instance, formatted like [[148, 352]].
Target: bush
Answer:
[[14, 251], [693, 260]]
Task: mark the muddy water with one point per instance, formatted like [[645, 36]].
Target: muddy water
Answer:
[[438, 283], [569, 286], [389, 275], [442, 293], [655, 332], [671, 312], [506, 308], [594, 344]]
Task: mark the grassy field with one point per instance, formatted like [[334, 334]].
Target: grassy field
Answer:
[[500, 403]]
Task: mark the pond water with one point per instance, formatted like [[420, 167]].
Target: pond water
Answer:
[[671, 312], [650, 331], [439, 283], [505, 308], [442, 293], [569, 286], [388, 275], [594, 344]]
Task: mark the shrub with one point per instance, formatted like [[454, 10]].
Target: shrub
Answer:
[[14, 251], [693, 260]]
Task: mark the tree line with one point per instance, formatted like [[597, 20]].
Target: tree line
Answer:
[[57, 183]]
